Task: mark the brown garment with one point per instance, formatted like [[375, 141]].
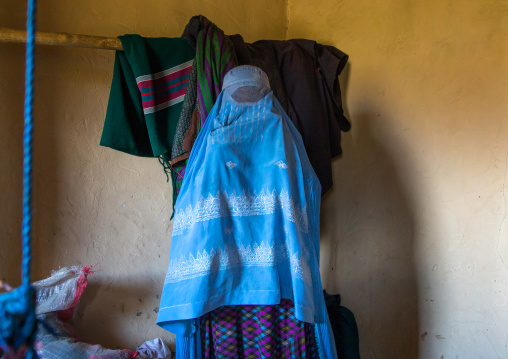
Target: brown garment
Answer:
[[304, 78], [192, 132], [189, 138]]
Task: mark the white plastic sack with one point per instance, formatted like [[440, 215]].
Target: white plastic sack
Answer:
[[57, 297], [62, 290]]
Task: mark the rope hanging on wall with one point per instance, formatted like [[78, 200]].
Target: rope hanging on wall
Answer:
[[17, 308]]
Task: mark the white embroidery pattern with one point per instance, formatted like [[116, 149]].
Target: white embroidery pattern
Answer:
[[230, 164], [263, 255], [245, 204], [300, 269], [281, 165], [238, 124]]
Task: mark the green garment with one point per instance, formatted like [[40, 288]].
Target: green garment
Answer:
[[147, 91]]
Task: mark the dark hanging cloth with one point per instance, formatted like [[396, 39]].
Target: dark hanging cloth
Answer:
[[304, 77], [147, 92], [183, 135], [345, 330], [215, 56], [146, 101]]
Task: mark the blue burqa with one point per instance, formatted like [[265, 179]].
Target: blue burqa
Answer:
[[246, 225]]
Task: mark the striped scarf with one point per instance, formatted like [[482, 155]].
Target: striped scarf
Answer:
[[215, 56]]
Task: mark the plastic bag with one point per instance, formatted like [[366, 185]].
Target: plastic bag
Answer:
[[154, 349], [57, 297]]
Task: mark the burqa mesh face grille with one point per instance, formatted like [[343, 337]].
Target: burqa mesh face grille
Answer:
[[248, 94], [245, 84]]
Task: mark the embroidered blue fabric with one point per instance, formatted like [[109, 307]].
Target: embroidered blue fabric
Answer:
[[246, 225]]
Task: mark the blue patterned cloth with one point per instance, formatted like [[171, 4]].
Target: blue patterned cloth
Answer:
[[246, 225]]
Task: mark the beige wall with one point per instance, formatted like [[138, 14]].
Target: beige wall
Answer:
[[414, 233], [93, 205]]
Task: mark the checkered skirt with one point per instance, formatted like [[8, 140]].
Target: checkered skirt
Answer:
[[257, 332]]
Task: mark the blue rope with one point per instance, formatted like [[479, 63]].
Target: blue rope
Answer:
[[17, 308], [28, 140]]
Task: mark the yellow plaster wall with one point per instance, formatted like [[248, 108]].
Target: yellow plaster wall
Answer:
[[415, 234], [93, 205]]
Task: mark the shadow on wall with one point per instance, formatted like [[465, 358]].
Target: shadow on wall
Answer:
[[367, 227], [47, 166], [45, 192], [11, 145], [108, 330]]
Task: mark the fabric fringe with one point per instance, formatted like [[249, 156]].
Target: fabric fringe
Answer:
[[165, 161]]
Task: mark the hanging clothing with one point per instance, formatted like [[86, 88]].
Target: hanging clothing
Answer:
[[258, 332], [246, 226], [146, 102], [304, 78], [147, 91], [215, 56], [345, 330], [181, 146], [186, 131]]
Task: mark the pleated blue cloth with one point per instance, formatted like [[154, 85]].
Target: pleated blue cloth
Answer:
[[246, 225]]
